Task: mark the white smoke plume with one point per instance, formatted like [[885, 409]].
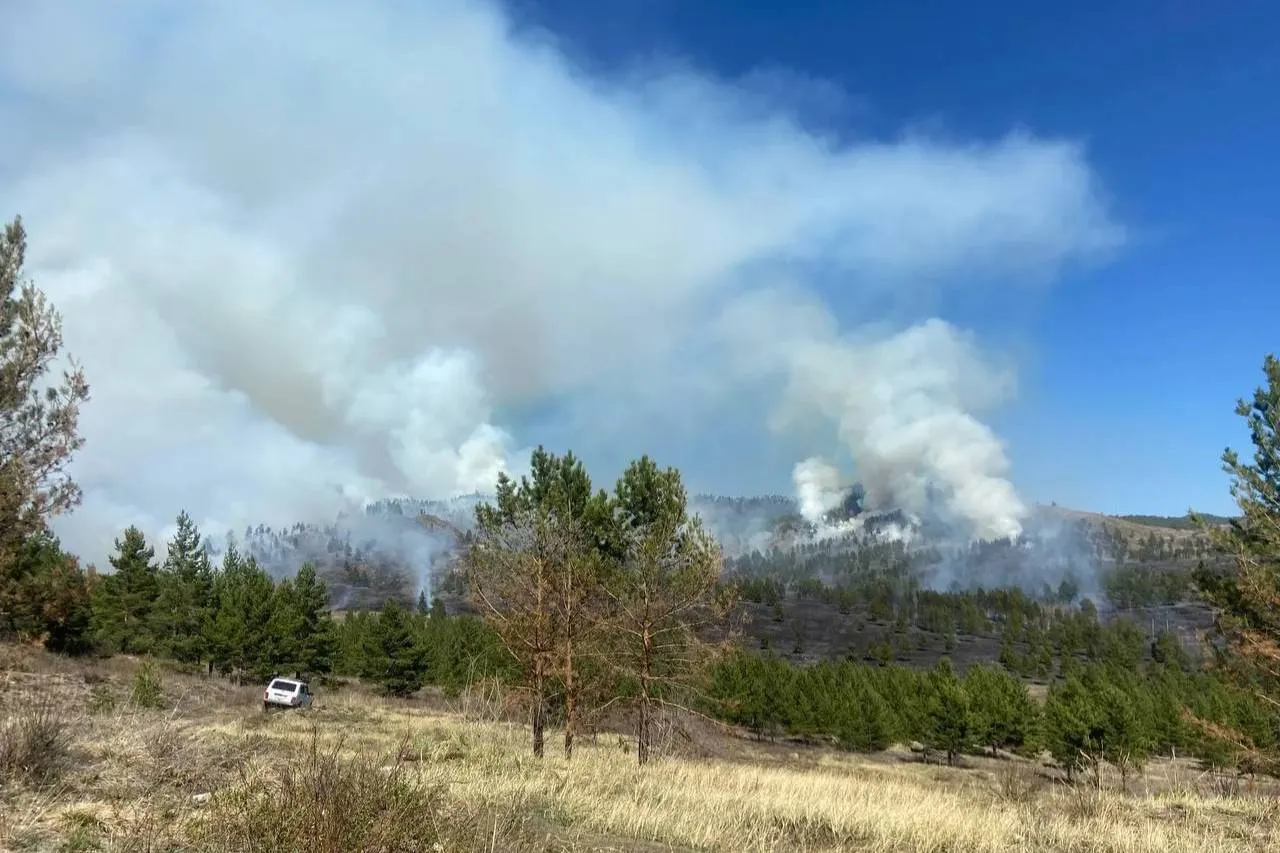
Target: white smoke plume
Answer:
[[905, 409], [901, 406], [316, 254], [818, 489]]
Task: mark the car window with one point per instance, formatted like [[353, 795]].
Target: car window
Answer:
[[284, 686]]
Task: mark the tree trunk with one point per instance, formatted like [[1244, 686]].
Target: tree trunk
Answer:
[[642, 730], [538, 715], [570, 705], [642, 718]]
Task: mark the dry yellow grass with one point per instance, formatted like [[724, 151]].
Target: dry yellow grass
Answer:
[[164, 777]]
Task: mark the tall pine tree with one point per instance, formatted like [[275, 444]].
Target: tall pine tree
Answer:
[[1247, 594], [238, 638], [184, 606], [663, 590], [396, 662], [124, 601]]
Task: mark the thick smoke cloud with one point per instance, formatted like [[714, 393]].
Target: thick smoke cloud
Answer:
[[904, 409], [315, 254], [819, 488]]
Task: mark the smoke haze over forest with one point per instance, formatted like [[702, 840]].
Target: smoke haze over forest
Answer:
[[389, 254]]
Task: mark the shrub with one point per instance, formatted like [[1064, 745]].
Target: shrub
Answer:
[[323, 803], [101, 700], [35, 744], [148, 690]]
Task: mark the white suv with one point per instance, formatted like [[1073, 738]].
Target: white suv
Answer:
[[286, 693]]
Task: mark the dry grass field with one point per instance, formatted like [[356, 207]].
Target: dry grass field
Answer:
[[83, 769]]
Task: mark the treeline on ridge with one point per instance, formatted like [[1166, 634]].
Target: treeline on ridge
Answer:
[[1104, 705], [592, 599]]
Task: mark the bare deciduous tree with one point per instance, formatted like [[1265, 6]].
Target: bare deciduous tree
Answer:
[[509, 569]]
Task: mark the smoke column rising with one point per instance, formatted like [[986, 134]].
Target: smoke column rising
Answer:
[[903, 406], [818, 488], [330, 270]]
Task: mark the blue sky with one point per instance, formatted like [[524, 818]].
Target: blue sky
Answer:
[[1133, 367], [380, 247]]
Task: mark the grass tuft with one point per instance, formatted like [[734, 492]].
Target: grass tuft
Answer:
[[35, 744], [321, 801]]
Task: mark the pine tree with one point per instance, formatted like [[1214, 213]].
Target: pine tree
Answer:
[[1003, 714], [238, 638], [39, 418], [532, 566], [863, 723], [280, 649], [315, 626], [397, 663], [299, 634], [1075, 726], [1247, 595], [951, 721], [663, 590], [47, 598], [184, 605], [125, 600], [1126, 728]]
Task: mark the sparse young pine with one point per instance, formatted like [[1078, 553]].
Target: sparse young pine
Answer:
[[662, 593], [1247, 596], [39, 418], [532, 566], [510, 567]]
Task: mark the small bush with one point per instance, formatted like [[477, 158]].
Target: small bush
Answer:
[[148, 690], [1019, 785], [101, 700], [321, 803], [35, 744]]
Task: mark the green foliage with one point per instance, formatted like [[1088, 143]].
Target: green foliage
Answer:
[[184, 605], [1074, 725], [950, 716], [1002, 713], [299, 631], [396, 661], [124, 601], [239, 641], [39, 420], [45, 596], [662, 590], [147, 690], [1248, 593]]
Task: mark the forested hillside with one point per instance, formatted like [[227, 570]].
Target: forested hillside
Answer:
[[582, 600]]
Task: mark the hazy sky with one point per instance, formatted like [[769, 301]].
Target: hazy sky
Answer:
[[312, 253]]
